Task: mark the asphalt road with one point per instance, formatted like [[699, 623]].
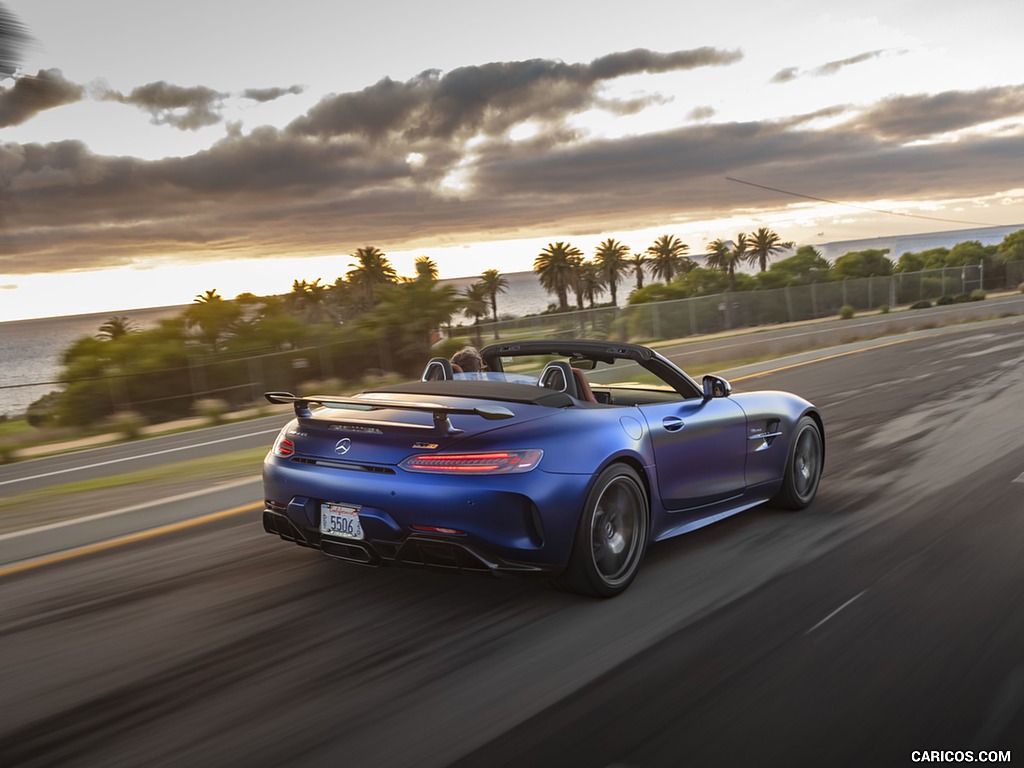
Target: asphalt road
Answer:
[[117, 459], [887, 618]]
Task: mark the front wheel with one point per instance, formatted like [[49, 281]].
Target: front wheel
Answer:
[[611, 537], [803, 467]]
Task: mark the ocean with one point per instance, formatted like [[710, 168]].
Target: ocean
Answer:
[[30, 350]]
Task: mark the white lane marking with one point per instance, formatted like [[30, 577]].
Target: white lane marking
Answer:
[[140, 456], [1020, 478], [133, 508], [837, 610]]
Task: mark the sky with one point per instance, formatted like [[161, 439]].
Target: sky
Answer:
[[151, 151]]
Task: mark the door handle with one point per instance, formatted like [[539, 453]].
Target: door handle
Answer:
[[672, 423]]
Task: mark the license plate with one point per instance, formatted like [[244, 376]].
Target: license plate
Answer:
[[340, 520]]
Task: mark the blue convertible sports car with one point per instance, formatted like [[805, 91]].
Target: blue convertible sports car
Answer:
[[564, 457]]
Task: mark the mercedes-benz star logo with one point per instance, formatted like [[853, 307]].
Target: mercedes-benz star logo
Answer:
[[342, 446]]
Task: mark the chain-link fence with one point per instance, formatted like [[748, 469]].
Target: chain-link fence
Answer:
[[722, 312]]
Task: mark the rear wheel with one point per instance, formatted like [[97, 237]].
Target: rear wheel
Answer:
[[803, 467], [611, 537]]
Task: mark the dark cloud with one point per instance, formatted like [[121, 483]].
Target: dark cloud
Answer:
[[270, 94], [825, 70], [383, 166], [184, 108], [924, 115], [489, 98], [29, 96]]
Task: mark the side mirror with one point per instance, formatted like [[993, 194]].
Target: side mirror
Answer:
[[716, 386]]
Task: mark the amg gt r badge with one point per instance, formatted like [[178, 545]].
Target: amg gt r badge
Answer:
[[424, 446]]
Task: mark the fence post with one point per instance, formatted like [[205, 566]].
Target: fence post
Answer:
[[789, 303], [814, 300], [693, 317], [871, 293]]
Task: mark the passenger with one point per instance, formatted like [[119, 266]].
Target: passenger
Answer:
[[468, 360]]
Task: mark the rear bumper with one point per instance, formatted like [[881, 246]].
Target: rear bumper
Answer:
[[416, 550]]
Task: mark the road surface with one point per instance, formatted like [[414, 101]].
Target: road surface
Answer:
[[887, 618]]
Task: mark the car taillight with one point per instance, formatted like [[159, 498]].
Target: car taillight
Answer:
[[489, 463], [283, 446]]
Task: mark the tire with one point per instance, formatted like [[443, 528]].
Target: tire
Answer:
[[803, 466], [611, 537]]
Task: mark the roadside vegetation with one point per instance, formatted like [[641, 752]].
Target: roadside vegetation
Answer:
[[219, 355]]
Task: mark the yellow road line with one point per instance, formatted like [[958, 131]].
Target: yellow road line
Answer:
[[130, 538], [819, 360]]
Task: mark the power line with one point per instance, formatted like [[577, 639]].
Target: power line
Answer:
[[859, 207]]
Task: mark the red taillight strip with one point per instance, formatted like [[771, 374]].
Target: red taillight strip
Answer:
[[467, 462], [495, 462], [284, 447]]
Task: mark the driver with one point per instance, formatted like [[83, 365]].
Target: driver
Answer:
[[469, 360]]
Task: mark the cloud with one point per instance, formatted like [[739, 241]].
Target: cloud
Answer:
[[377, 166], [923, 115], [825, 70], [29, 96], [184, 108], [270, 94], [488, 98]]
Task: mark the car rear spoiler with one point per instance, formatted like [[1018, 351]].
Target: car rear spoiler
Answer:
[[440, 413]]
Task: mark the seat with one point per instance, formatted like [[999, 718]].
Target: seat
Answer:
[[558, 375], [438, 369], [583, 386]]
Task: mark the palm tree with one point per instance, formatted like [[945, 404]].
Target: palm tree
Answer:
[[309, 299], [207, 297], [426, 269], [591, 280], [474, 304], [667, 255], [556, 268], [371, 270], [721, 254], [764, 244], [212, 315], [495, 283], [637, 264], [611, 260], [115, 328]]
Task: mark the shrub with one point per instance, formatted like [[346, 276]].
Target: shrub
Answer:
[[6, 452], [846, 312], [962, 298], [212, 409], [942, 301], [977, 295], [884, 309], [127, 423], [922, 304], [1021, 287]]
